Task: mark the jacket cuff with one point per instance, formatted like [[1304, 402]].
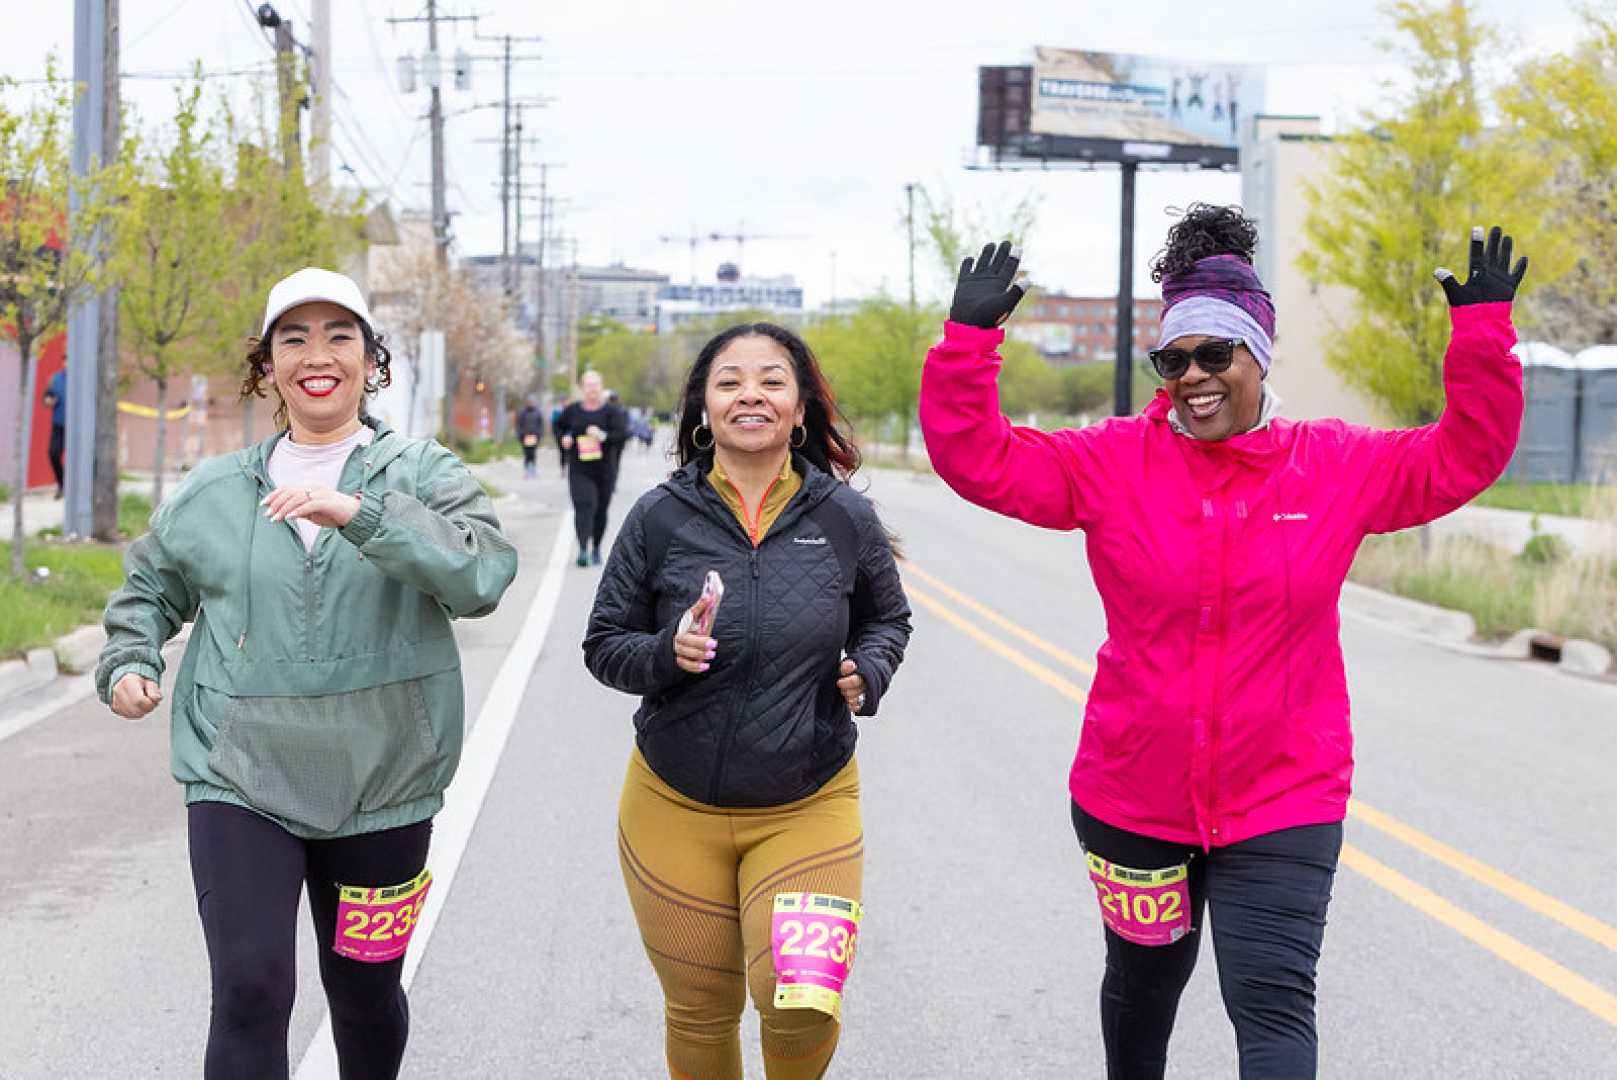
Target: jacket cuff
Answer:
[[875, 685], [145, 671], [1468, 315], [365, 523], [972, 337]]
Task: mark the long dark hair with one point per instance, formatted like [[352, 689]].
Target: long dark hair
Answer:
[[826, 444], [260, 362]]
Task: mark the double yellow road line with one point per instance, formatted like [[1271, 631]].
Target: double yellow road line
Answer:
[[967, 615]]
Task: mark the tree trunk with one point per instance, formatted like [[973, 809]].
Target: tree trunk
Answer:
[[162, 433], [27, 376], [104, 494]]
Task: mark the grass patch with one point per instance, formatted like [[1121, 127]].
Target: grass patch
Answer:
[[1568, 500], [81, 578], [482, 451], [1545, 587], [134, 515]]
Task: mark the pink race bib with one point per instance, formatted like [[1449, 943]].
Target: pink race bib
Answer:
[[1147, 907], [589, 448], [374, 924], [812, 939]]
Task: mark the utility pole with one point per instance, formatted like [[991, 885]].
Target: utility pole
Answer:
[[432, 73], [572, 317], [909, 216], [104, 496], [432, 70], [286, 84], [84, 320], [320, 73]]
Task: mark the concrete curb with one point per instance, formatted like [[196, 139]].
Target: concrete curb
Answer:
[[21, 676], [1454, 630], [1427, 620]]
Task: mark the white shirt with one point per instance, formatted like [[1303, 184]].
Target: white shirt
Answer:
[[294, 465]]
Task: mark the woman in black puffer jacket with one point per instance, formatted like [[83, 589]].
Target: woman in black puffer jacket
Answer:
[[743, 787]]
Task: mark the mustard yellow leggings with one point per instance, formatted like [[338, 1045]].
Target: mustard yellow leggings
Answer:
[[702, 880]]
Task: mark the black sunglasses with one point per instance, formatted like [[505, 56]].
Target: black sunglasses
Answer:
[[1211, 356]]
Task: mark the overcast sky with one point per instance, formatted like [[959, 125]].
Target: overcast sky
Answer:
[[799, 121]]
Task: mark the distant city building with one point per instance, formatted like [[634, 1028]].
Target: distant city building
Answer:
[[1083, 329], [678, 304]]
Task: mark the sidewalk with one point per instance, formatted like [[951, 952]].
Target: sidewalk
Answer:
[[42, 510], [1511, 529]]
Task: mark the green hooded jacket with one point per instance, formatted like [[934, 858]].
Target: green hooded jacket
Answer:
[[321, 688]]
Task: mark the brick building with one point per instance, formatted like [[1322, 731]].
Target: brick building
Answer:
[[1083, 329]]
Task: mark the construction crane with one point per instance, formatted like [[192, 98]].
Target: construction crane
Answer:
[[727, 271], [741, 236], [693, 240]]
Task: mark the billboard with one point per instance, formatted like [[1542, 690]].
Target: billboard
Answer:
[[1076, 105], [1130, 98]]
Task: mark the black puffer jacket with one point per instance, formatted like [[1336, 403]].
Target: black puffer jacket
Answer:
[[765, 724]]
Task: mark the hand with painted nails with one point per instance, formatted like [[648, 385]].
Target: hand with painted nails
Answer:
[[1491, 278], [852, 685], [317, 505], [987, 293], [693, 649], [135, 696]]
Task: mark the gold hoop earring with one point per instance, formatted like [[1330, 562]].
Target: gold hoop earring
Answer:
[[797, 443], [697, 442]]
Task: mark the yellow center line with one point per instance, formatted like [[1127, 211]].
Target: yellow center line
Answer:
[[1070, 659], [1568, 984], [1519, 891], [1565, 982], [993, 644]]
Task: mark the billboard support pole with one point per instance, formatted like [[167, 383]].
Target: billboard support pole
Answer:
[[1123, 377]]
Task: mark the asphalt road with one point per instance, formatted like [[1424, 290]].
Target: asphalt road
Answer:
[[981, 947]]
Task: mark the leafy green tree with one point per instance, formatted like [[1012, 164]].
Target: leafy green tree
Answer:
[[1401, 198], [44, 262], [1566, 106], [871, 358], [169, 255]]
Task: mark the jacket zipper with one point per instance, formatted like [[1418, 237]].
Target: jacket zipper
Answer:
[[746, 695]]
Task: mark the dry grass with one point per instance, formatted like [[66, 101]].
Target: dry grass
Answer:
[[1574, 596]]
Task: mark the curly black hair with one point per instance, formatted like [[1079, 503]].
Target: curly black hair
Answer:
[[1202, 231]]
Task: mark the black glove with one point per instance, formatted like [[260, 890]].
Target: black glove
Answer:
[[985, 295], [1492, 280]]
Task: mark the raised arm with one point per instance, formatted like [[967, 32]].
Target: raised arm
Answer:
[[1054, 479], [1423, 473]]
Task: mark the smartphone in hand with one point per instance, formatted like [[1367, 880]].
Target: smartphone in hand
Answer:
[[712, 588]]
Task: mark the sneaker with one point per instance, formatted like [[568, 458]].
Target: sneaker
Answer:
[[595, 557], [583, 559]]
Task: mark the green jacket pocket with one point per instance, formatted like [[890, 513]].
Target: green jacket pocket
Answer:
[[317, 761]]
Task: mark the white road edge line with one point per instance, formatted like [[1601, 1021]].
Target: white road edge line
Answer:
[[452, 828]]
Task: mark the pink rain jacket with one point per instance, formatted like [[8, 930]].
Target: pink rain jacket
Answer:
[[1219, 709]]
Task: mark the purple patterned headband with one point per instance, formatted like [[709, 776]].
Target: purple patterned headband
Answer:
[[1224, 277]]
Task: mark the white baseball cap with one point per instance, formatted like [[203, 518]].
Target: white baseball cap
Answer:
[[309, 285]]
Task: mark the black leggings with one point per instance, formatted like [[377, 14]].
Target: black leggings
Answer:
[[1268, 897], [591, 488], [248, 872]]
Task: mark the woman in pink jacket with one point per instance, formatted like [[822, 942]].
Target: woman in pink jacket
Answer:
[[1216, 757]]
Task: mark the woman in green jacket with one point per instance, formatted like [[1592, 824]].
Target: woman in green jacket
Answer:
[[318, 712]]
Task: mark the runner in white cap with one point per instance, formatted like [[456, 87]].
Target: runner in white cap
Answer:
[[318, 713]]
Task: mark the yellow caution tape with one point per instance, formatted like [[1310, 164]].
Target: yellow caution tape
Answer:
[[150, 413]]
